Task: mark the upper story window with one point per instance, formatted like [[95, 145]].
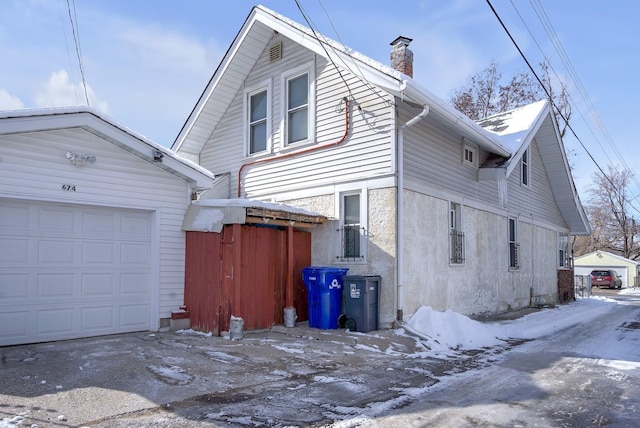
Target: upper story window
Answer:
[[514, 246], [298, 104], [469, 154], [525, 167], [456, 243], [298, 109], [258, 118]]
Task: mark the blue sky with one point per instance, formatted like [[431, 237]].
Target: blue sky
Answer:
[[146, 62]]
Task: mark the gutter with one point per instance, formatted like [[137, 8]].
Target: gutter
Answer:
[[400, 210]]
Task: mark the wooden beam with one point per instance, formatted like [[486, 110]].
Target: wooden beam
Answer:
[[284, 215], [290, 267], [279, 222]]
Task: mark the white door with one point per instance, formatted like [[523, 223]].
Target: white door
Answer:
[[70, 271]]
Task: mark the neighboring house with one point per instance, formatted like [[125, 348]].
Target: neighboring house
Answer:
[[628, 269], [90, 226], [451, 215]]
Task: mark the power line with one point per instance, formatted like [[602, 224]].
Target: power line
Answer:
[[77, 43], [552, 101]]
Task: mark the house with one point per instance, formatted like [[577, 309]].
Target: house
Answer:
[[90, 226], [629, 270], [449, 213]]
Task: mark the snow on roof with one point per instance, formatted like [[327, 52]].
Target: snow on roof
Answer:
[[513, 126], [252, 203]]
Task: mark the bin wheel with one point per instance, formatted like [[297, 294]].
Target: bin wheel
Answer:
[[350, 324], [342, 320]]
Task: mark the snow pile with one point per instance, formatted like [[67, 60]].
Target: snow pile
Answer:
[[451, 330]]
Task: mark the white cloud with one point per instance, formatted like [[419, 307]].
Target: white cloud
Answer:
[[60, 91], [9, 102]]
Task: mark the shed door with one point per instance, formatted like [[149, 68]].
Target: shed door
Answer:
[[70, 271]]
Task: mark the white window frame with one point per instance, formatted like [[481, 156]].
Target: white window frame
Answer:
[[455, 227], [525, 168], [469, 154], [339, 214], [248, 93], [514, 245], [308, 69], [564, 257]]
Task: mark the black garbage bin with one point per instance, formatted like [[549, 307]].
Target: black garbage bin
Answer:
[[361, 295]]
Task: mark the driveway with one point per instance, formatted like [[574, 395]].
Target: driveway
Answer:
[[281, 377]]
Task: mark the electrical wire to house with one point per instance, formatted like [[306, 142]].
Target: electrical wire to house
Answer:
[[546, 90]]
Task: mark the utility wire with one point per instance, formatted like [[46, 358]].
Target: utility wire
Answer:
[[78, 53], [551, 100], [308, 20], [66, 43]]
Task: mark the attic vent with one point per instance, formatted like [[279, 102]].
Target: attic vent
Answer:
[[275, 52]]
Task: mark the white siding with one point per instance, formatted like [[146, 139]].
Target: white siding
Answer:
[[433, 155], [34, 167], [366, 152]]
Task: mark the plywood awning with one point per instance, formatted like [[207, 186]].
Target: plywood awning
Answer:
[[210, 215]]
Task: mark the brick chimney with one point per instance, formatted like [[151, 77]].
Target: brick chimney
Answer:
[[401, 56]]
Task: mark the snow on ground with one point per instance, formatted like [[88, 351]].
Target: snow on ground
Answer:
[[451, 330]]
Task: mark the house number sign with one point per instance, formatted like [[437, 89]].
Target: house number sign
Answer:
[[69, 187]]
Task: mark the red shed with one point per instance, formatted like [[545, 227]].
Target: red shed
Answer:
[[244, 258]]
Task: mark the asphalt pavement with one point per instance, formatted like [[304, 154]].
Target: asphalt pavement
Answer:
[[296, 376]]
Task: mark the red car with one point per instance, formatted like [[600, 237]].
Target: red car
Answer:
[[605, 278]]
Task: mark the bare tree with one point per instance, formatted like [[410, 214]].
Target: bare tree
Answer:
[[613, 227], [485, 94]]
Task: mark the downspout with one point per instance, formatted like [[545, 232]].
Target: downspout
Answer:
[[400, 212], [302, 151]]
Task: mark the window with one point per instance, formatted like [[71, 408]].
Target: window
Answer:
[[298, 104], [524, 163], [456, 243], [352, 232], [564, 258], [257, 113], [298, 108], [514, 247], [469, 154]]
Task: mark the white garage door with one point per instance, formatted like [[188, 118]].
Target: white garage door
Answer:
[[72, 271]]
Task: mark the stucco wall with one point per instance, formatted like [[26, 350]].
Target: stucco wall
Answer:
[[381, 246], [484, 284]]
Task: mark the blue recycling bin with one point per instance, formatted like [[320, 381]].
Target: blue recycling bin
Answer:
[[324, 290]]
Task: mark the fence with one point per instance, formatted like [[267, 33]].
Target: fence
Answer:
[[582, 285]]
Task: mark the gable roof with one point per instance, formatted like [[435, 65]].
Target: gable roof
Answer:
[[251, 41], [91, 120], [601, 253], [516, 129]]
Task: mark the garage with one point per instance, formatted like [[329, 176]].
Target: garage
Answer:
[[68, 271], [90, 227]]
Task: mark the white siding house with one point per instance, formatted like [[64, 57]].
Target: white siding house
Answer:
[[90, 226], [419, 194]]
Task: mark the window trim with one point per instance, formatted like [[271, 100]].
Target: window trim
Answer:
[[514, 245], [308, 69], [525, 168], [247, 94], [564, 257], [339, 214], [468, 147], [456, 234]]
